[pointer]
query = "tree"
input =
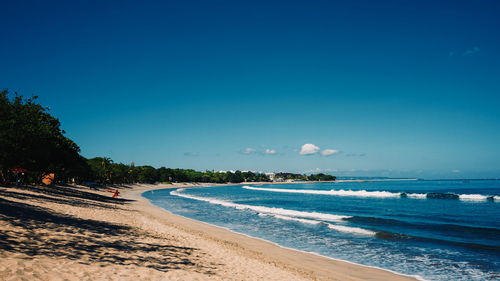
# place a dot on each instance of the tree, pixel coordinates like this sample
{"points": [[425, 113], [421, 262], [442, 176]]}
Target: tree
{"points": [[31, 138], [120, 173], [147, 174], [321, 177], [100, 169], [164, 174]]}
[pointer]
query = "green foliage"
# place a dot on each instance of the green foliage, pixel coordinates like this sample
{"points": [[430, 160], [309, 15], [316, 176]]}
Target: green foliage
{"points": [[304, 177], [147, 174], [189, 175], [31, 138], [291, 176], [101, 169], [104, 171], [321, 177]]}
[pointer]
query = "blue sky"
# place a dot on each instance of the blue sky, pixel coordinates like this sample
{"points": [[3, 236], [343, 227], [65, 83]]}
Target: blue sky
{"points": [[394, 88]]}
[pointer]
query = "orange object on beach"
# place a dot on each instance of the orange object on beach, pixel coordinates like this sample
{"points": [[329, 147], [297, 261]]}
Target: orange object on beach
{"points": [[48, 179], [115, 192]]}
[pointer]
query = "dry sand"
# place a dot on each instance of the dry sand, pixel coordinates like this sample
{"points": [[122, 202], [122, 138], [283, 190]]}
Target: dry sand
{"points": [[73, 233]]}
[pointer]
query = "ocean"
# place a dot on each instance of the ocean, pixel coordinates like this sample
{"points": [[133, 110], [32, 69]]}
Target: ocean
{"points": [[431, 229]]}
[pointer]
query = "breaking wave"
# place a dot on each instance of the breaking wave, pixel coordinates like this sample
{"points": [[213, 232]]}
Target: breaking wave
{"points": [[341, 228], [285, 214], [355, 230], [383, 194], [263, 209]]}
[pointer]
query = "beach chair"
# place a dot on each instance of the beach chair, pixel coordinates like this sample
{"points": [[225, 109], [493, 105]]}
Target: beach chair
{"points": [[115, 192]]}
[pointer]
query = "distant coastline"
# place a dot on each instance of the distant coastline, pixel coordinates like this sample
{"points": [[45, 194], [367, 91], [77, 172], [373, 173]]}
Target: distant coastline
{"points": [[370, 180]]}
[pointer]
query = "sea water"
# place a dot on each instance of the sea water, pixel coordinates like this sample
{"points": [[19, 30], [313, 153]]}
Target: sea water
{"points": [[436, 230]]}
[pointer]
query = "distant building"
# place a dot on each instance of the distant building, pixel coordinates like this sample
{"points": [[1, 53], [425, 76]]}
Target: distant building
{"points": [[270, 175]]}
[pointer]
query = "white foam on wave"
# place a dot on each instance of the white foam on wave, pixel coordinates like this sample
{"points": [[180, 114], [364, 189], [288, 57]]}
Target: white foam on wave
{"points": [[355, 230], [375, 194], [341, 228], [284, 214], [416, 195], [341, 192], [473, 197], [364, 193], [296, 219], [263, 209]]}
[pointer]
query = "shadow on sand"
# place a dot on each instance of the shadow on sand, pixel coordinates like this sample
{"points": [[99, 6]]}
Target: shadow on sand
{"points": [[37, 231]]}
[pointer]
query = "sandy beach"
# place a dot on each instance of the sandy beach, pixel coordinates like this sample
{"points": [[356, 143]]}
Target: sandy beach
{"points": [[73, 233]]}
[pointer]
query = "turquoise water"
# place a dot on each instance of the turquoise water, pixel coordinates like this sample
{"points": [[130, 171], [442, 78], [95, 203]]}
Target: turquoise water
{"points": [[436, 230]]}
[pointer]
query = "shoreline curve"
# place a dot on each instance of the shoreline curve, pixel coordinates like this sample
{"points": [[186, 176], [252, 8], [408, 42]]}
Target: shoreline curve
{"points": [[308, 264]]}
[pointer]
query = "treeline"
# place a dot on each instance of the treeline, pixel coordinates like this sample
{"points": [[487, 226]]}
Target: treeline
{"points": [[32, 145], [321, 177], [104, 171], [304, 177]]}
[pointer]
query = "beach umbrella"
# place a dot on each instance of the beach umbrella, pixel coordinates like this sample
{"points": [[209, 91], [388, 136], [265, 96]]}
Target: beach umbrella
{"points": [[48, 178]]}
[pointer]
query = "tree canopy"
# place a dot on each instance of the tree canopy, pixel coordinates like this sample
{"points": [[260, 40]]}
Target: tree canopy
{"points": [[31, 138]]}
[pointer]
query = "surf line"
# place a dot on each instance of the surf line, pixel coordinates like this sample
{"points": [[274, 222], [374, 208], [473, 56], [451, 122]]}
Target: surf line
{"points": [[382, 194], [284, 214]]}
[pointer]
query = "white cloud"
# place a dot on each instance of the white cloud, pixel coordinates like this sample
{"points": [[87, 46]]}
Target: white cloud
{"points": [[320, 170], [308, 149], [471, 51], [328, 152], [248, 150], [467, 52], [455, 171], [270, 151]]}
